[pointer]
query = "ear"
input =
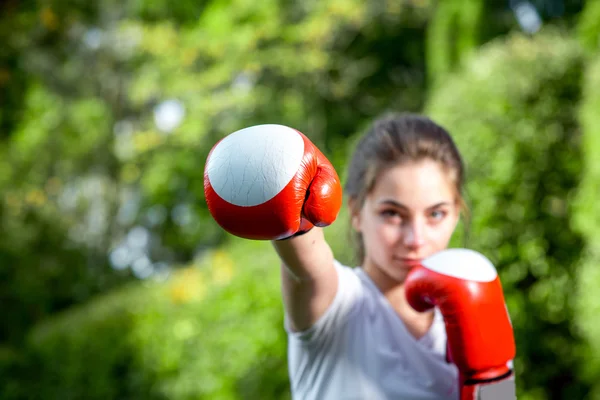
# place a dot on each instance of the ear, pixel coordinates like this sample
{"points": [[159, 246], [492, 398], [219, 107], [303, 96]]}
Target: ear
{"points": [[355, 217]]}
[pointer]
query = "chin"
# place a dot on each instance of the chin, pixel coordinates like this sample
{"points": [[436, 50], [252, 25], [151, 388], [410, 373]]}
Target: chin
{"points": [[399, 276], [398, 271], [393, 269]]}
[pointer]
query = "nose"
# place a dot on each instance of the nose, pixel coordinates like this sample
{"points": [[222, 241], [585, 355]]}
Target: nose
{"points": [[414, 235]]}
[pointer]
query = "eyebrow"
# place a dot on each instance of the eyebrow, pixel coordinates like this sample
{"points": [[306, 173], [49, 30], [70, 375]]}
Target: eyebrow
{"points": [[400, 205]]}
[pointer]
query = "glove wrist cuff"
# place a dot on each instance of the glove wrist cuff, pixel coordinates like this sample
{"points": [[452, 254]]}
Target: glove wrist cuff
{"points": [[299, 233]]}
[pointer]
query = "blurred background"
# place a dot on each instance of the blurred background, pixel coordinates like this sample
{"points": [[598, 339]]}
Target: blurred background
{"points": [[115, 283]]}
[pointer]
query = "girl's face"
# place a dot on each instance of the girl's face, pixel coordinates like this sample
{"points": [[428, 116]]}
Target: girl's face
{"points": [[409, 215]]}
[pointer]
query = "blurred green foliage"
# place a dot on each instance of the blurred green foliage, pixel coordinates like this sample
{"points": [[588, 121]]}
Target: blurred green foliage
{"points": [[87, 172], [514, 113], [586, 219], [588, 29], [183, 339], [453, 35]]}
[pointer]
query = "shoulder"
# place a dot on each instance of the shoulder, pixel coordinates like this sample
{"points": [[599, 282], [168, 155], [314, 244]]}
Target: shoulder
{"points": [[354, 284], [350, 289], [348, 275]]}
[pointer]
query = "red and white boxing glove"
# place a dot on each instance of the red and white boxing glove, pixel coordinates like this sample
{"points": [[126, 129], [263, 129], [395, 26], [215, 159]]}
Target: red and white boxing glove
{"points": [[270, 182], [465, 287]]}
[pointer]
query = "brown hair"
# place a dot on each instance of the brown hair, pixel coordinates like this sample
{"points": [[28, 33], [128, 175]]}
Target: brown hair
{"points": [[396, 139]]}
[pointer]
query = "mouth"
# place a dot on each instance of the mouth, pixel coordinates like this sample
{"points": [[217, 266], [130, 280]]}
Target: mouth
{"points": [[410, 262]]}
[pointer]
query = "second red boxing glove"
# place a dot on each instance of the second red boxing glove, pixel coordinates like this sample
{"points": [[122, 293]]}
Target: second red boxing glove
{"points": [[269, 182], [465, 287]]}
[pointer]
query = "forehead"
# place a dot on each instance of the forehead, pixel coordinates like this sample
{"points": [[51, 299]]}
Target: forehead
{"points": [[416, 185]]}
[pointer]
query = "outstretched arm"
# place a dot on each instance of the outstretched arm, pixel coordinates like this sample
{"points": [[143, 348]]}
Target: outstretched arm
{"points": [[308, 277]]}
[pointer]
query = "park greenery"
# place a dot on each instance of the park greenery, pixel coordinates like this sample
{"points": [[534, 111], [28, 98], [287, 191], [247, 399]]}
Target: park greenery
{"points": [[117, 284]]}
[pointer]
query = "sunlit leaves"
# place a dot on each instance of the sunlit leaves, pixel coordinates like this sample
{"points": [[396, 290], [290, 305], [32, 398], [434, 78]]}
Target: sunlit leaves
{"points": [[586, 219], [201, 333], [515, 122]]}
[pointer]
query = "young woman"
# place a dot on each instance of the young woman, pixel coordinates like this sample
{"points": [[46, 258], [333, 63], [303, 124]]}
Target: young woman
{"points": [[352, 333]]}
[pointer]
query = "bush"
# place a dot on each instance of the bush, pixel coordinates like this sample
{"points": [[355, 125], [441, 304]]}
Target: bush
{"points": [[513, 112], [587, 221], [212, 331]]}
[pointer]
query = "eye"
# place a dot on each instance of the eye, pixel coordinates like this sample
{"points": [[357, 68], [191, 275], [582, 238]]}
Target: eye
{"points": [[438, 214], [390, 215]]}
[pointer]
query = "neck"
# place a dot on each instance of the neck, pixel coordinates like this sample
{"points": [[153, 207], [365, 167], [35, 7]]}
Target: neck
{"points": [[417, 323], [392, 287]]}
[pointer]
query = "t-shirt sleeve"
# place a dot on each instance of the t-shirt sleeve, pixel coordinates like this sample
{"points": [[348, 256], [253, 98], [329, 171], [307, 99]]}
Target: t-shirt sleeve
{"points": [[336, 315]]}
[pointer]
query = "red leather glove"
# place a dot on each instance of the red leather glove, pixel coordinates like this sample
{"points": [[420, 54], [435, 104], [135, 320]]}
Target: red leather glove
{"points": [[270, 182], [465, 287]]}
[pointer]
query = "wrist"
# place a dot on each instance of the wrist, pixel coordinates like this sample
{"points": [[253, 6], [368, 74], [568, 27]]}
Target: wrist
{"points": [[299, 233]]}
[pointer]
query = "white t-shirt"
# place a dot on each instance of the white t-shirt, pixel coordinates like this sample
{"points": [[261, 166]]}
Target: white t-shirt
{"points": [[361, 349]]}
